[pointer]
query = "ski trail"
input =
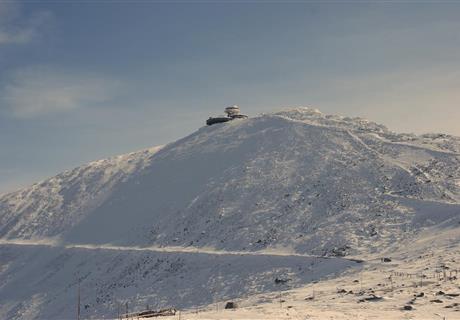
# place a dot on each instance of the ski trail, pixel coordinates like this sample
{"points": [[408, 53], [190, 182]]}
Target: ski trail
{"points": [[169, 249]]}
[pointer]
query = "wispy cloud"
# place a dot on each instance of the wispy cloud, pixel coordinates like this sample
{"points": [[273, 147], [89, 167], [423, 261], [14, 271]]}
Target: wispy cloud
{"points": [[39, 91], [17, 28]]}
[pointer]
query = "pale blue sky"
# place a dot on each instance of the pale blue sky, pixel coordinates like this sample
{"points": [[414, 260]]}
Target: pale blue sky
{"points": [[83, 80]]}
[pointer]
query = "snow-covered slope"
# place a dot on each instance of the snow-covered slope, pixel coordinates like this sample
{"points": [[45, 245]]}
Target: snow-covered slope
{"points": [[52, 206], [40, 282], [294, 181], [420, 282]]}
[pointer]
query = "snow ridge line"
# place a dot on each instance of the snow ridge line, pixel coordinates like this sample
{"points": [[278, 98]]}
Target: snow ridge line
{"points": [[312, 123]]}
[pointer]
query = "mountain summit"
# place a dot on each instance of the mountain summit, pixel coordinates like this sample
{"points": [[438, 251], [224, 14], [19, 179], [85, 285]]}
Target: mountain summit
{"points": [[295, 178], [295, 181]]}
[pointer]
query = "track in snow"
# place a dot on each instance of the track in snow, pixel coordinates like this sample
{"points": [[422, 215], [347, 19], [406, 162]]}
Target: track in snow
{"points": [[169, 249]]}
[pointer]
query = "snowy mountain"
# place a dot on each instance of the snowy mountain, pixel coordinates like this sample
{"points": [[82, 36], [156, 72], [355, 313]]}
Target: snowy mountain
{"points": [[262, 193]]}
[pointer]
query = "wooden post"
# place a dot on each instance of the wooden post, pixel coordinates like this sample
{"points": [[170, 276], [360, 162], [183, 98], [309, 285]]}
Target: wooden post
{"points": [[78, 303], [391, 282], [78, 299]]}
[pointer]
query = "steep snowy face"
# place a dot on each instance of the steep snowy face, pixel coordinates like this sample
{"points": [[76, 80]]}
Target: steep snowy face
{"points": [[48, 208], [298, 179]]}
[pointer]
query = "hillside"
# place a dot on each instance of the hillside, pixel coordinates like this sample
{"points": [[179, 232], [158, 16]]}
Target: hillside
{"points": [[420, 282], [297, 184]]}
